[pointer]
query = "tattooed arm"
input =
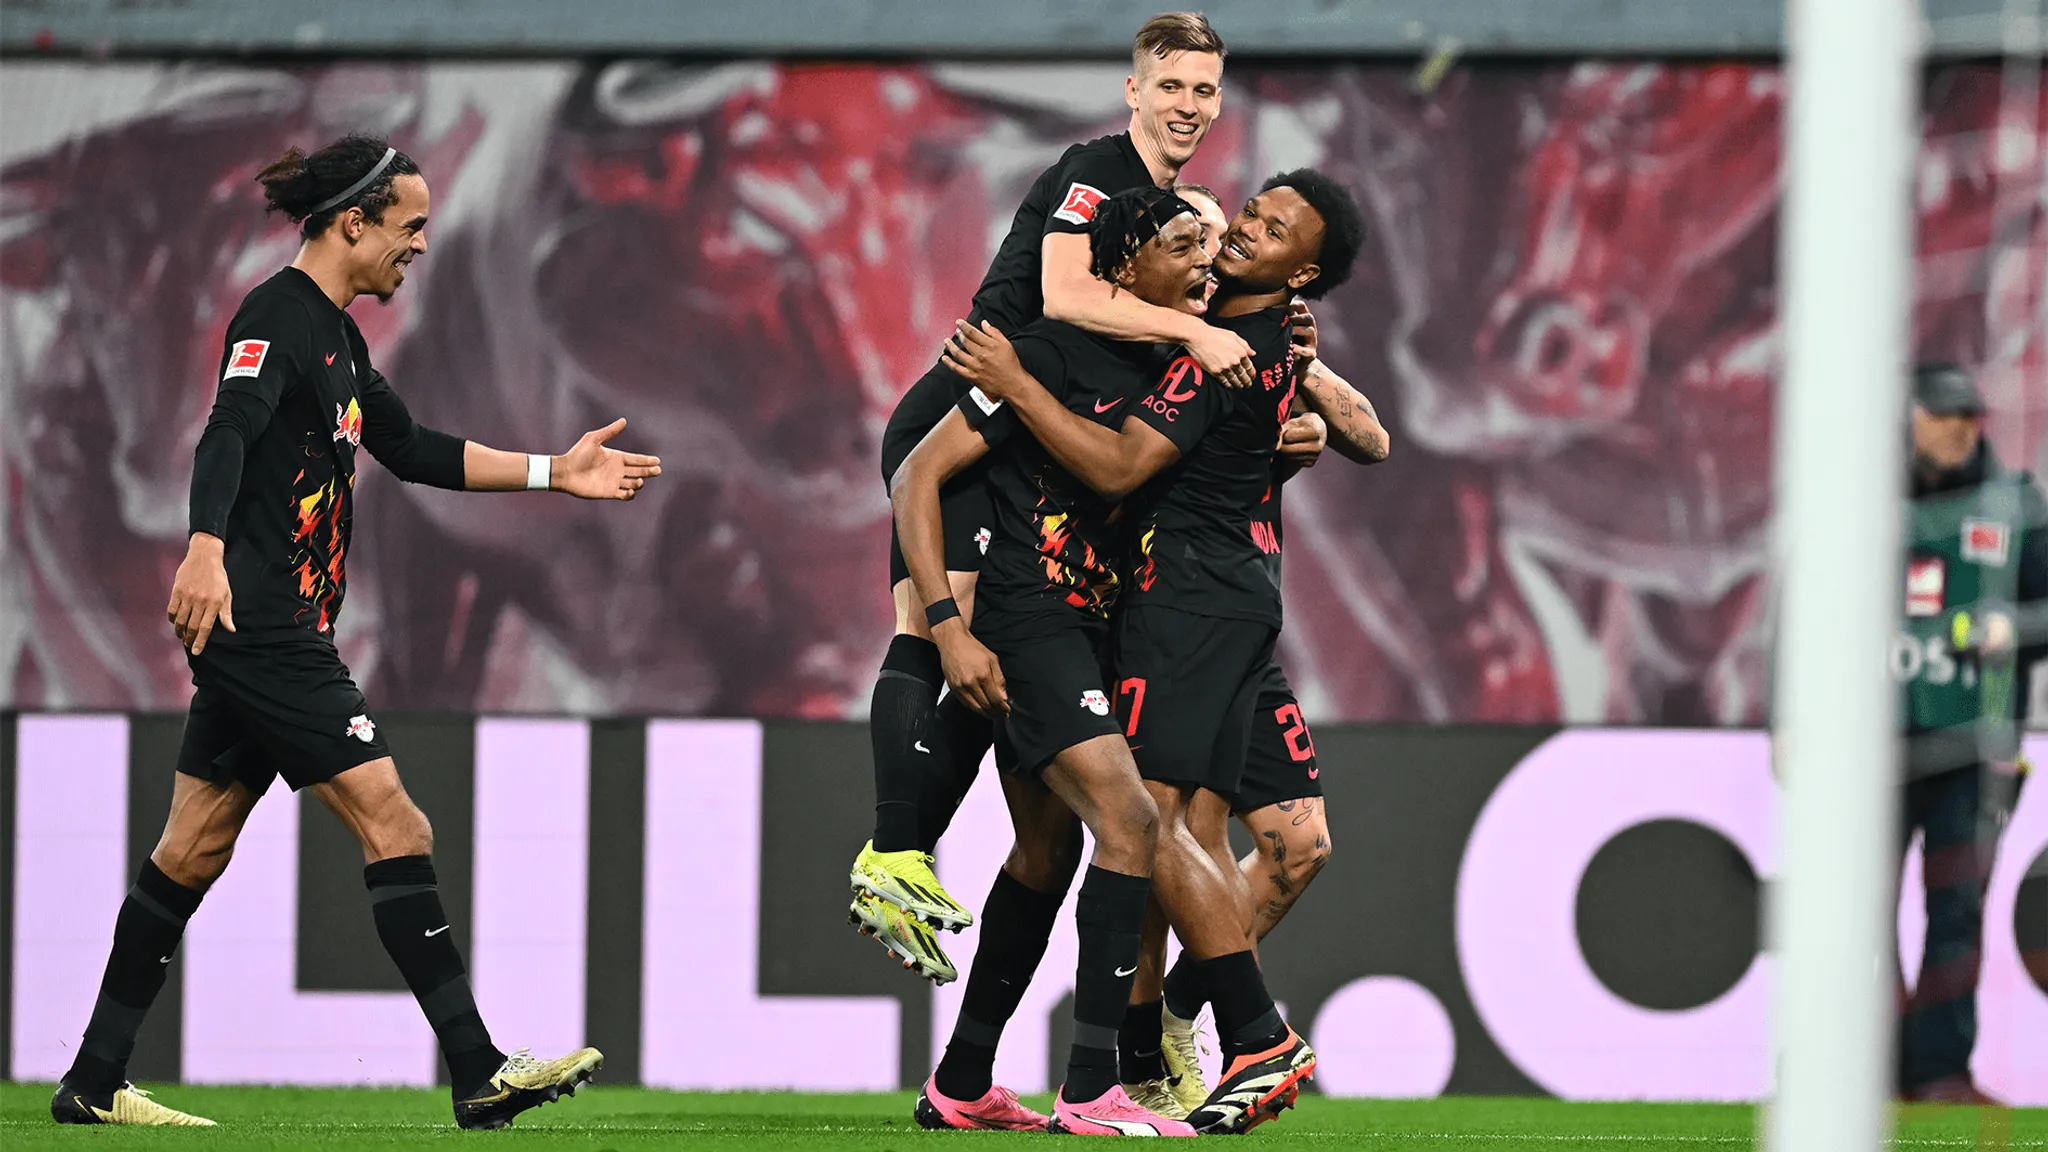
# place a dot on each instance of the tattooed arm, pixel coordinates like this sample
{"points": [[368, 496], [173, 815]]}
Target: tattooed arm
{"points": [[1355, 429]]}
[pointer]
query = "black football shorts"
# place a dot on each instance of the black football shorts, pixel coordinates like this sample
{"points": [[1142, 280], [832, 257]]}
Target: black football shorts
{"points": [[264, 709], [1280, 760], [1186, 688], [1056, 671], [966, 517]]}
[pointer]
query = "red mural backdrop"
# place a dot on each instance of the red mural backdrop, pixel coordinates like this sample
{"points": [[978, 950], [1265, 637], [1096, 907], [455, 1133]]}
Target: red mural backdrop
{"points": [[1566, 316]]}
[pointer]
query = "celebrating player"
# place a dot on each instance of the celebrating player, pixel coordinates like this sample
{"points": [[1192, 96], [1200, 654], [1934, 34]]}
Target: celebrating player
{"points": [[1280, 799], [255, 603], [1196, 631], [927, 748], [1046, 588]]}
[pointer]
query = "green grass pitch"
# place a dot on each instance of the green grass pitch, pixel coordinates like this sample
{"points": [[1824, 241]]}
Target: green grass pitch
{"points": [[621, 1119]]}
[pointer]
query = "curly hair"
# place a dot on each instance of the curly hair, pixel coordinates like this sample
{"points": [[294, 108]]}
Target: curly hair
{"points": [[1127, 222], [1343, 225]]}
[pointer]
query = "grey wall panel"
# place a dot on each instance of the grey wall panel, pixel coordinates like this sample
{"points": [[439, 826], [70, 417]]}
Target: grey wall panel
{"points": [[618, 833], [902, 27]]}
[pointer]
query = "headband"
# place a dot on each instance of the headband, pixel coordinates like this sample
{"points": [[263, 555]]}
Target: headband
{"points": [[1159, 214], [359, 185]]}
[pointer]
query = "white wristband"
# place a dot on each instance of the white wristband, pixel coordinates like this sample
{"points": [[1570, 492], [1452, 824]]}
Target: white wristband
{"points": [[540, 470]]}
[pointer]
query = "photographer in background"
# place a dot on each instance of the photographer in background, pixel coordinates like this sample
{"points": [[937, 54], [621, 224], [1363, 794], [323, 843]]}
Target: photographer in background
{"points": [[1976, 621]]}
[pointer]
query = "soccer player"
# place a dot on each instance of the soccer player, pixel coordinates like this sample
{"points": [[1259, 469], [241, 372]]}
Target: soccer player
{"points": [[1045, 591], [255, 604], [1279, 801], [1196, 630], [927, 749]]}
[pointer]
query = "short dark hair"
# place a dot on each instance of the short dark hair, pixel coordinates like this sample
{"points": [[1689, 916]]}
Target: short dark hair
{"points": [[1343, 225], [1127, 222], [1171, 32], [296, 183]]}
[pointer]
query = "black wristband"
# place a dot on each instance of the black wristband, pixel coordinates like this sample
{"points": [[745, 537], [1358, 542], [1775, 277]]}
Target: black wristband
{"points": [[942, 611]]}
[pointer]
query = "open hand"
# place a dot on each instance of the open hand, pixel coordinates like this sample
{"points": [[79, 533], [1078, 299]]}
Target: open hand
{"points": [[594, 472], [200, 594]]}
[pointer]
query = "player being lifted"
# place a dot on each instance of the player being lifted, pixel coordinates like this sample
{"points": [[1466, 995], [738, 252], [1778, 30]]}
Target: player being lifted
{"points": [[1046, 589], [1196, 630], [927, 747], [255, 603]]}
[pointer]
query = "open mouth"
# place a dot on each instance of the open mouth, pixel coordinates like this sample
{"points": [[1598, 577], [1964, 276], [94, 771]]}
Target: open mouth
{"points": [[1233, 246], [1198, 294], [1182, 131]]}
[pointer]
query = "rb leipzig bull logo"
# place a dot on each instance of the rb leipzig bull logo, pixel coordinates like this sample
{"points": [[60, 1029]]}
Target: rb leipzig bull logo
{"points": [[348, 423]]}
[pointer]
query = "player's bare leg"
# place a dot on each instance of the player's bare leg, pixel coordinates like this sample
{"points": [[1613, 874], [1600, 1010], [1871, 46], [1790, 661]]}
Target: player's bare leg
{"points": [[1264, 1061], [489, 1087], [198, 840], [896, 896], [1290, 846]]}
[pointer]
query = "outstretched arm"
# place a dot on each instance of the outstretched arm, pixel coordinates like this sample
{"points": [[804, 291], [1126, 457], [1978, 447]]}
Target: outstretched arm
{"points": [[1112, 462], [914, 501], [589, 470], [421, 455]]}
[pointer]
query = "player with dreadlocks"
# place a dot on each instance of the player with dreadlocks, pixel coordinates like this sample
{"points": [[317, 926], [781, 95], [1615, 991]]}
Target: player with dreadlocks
{"points": [[1037, 660], [1196, 631], [927, 746]]}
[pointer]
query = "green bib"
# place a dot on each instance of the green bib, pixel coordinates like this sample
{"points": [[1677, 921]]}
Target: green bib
{"points": [[1963, 557]]}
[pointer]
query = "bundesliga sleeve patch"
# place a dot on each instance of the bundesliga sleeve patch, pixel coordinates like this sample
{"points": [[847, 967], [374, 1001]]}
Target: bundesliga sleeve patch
{"points": [[988, 407], [246, 359], [1079, 206]]}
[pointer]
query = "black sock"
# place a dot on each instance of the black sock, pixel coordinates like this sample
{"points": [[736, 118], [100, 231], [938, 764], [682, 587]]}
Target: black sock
{"points": [[1184, 992], [146, 934], [406, 903], [1110, 916], [1246, 1020], [1138, 1058], [963, 738], [899, 725], [1016, 924]]}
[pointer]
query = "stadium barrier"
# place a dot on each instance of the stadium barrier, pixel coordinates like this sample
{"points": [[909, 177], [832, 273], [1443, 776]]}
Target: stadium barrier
{"points": [[1507, 910]]}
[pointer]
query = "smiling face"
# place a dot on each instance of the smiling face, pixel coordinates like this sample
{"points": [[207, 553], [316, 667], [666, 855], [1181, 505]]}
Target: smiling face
{"points": [[1173, 101], [1171, 270], [1273, 243], [380, 250]]}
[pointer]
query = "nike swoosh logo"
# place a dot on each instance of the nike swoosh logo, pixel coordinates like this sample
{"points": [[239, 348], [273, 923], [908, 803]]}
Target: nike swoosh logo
{"points": [[1314, 772], [105, 1116], [438, 931], [331, 356], [163, 959], [919, 745], [1100, 407], [943, 689], [1127, 971]]}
